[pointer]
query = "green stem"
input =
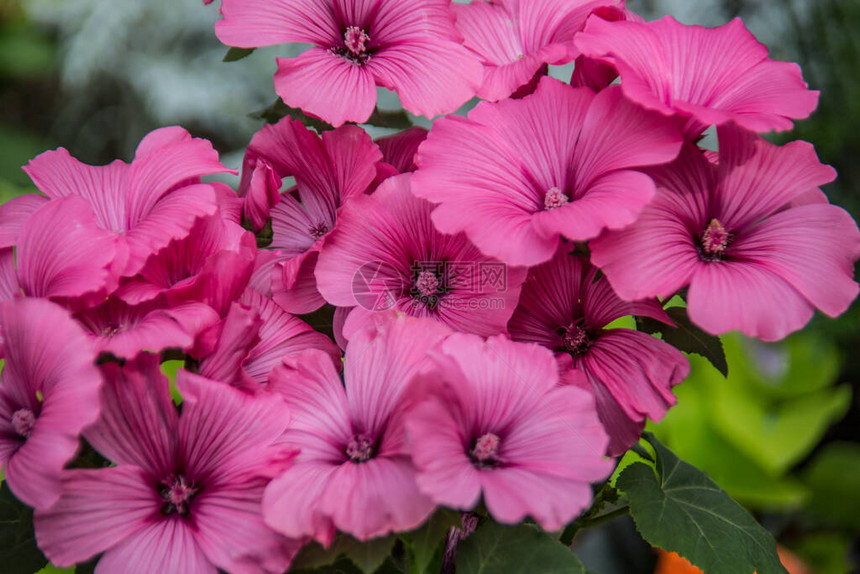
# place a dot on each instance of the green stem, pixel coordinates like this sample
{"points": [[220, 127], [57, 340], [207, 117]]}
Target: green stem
{"points": [[571, 530]]}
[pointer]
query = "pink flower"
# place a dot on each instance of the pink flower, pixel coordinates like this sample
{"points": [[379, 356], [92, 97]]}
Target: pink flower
{"points": [[409, 46], [490, 419], [751, 235], [399, 150], [125, 330], [211, 265], [353, 473], [387, 254], [328, 170], [48, 394], [515, 39], [255, 337], [565, 307], [184, 494], [142, 206], [518, 174], [711, 76]]}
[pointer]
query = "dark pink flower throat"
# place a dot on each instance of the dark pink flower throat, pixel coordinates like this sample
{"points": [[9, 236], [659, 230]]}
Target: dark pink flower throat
{"points": [[360, 448], [177, 493], [575, 340]]}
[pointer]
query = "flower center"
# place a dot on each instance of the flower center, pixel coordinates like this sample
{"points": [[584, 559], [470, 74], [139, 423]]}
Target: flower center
{"points": [[354, 47], [360, 448], [23, 421], [427, 284], [177, 493], [318, 230], [554, 199], [714, 241], [575, 340], [485, 453]]}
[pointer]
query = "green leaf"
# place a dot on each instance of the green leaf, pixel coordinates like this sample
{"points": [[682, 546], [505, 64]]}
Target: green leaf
{"points": [[18, 551], [367, 556], [397, 120], [235, 54], [428, 542], [687, 337], [521, 549], [684, 511]]}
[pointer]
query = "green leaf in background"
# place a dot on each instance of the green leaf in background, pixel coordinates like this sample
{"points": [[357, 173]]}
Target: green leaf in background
{"points": [[684, 511], [236, 54], [427, 544], [366, 556], [522, 549], [687, 337], [832, 479], [826, 552], [18, 551], [51, 569], [279, 110], [169, 369]]}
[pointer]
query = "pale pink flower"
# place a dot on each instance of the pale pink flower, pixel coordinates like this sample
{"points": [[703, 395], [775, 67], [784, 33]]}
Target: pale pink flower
{"points": [[752, 236], [353, 473], [489, 419], [49, 392], [184, 493], [409, 46], [517, 175], [708, 75]]}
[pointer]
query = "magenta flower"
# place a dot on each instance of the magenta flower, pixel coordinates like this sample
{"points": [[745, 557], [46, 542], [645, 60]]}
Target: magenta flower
{"points": [[48, 393], [516, 39], [212, 265], [751, 235], [709, 75], [565, 307], [255, 337], [125, 330], [13, 214], [328, 170], [490, 419], [387, 254], [184, 494], [353, 473], [517, 175], [145, 205], [409, 46], [399, 150]]}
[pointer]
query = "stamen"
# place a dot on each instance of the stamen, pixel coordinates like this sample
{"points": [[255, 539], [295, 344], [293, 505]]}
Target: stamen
{"points": [[360, 448], [354, 49], [177, 494], [23, 421], [485, 453], [554, 199], [575, 340], [714, 241], [427, 283]]}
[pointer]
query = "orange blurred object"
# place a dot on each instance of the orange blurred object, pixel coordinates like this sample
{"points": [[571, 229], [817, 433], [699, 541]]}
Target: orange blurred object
{"points": [[671, 563]]}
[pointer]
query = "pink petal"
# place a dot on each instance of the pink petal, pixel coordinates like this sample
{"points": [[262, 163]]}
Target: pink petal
{"points": [[291, 503], [72, 260], [742, 295], [99, 508], [14, 214], [374, 498], [294, 284], [9, 288], [399, 149], [262, 195], [757, 177], [638, 370], [255, 23], [138, 424], [813, 248], [167, 545], [316, 80]]}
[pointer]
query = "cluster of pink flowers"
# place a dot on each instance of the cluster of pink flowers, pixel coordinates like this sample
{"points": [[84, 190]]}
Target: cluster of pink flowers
{"points": [[475, 272]]}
